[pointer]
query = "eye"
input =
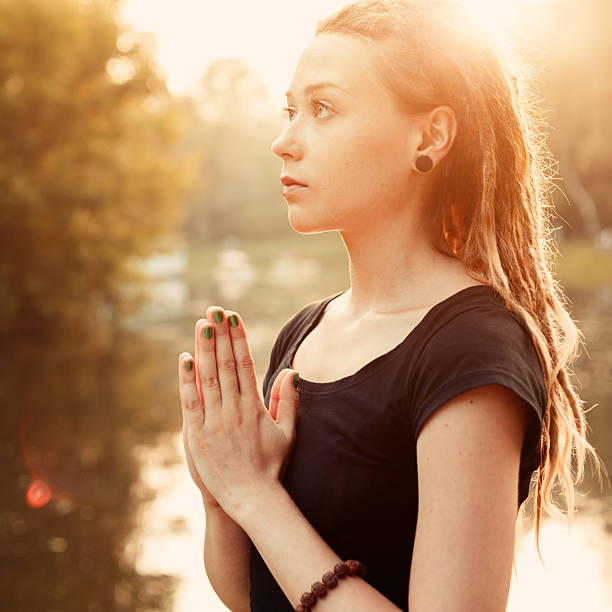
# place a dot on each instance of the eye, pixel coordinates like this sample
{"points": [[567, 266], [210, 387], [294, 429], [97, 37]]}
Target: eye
{"points": [[286, 112], [289, 112], [316, 104]]}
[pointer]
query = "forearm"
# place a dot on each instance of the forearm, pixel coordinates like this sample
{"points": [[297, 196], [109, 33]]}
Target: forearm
{"points": [[297, 556], [227, 559]]}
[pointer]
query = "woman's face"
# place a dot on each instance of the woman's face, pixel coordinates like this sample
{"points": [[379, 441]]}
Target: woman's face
{"points": [[348, 143]]}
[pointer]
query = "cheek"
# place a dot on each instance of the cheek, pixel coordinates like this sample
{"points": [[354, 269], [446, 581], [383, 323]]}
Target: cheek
{"points": [[371, 157], [359, 160]]}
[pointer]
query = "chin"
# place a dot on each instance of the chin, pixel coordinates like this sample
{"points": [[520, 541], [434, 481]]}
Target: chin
{"points": [[305, 223]]}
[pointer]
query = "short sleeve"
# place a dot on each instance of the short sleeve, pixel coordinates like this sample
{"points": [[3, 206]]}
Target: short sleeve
{"points": [[480, 347]]}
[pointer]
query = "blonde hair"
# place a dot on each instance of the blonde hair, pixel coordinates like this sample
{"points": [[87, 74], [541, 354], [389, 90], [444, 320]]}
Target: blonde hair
{"points": [[489, 206]]}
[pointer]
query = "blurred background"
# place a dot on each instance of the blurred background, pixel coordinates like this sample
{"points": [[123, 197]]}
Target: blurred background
{"points": [[137, 188]]}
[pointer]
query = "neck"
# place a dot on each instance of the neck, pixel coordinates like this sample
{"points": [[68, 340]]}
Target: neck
{"points": [[393, 269]]}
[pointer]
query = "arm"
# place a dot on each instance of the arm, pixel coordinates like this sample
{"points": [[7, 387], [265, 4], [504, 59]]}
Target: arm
{"points": [[297, 555], [468, 458], [227, 554]]}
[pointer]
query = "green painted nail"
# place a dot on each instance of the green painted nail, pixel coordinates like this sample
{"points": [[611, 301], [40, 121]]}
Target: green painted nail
{"points": [[208, 331], [218, 316], [233, 319], [296, 378], [188, 365]]}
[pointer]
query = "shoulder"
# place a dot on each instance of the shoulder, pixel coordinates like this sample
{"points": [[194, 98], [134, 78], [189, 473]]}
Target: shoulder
{"points": [[484, 345], [478, 329]]}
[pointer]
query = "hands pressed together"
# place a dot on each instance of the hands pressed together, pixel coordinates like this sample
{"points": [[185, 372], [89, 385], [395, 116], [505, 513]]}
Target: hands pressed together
{"points": [[235, 448]]}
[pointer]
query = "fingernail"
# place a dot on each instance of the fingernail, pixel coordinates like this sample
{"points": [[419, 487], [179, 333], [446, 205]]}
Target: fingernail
{"points": [[296, 378], [218, 316], [188, 365], [207, 331], [233, 319]]}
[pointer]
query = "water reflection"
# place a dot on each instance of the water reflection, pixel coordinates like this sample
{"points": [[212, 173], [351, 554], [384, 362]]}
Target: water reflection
{"points": [[170, 534], [73, 410], [233, 271], [576, 575], [290, 269]]}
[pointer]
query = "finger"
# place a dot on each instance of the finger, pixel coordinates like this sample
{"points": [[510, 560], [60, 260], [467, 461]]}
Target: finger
{"points": [[226, 366], [207, 367], [275, 393], [288, 403], [193, 414], [198, 335], [245, 367]]}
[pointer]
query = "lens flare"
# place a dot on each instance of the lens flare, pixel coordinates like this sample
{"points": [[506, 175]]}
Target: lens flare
{"points": [[38, 494]]}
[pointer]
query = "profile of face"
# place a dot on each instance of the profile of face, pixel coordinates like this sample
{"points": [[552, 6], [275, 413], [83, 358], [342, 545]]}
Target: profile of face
{"points": [[347, 141]]}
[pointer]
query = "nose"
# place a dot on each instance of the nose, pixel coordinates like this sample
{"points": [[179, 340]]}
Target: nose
{"points": [[285, 146]]}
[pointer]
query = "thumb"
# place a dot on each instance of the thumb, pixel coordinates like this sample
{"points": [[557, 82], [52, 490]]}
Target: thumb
{"points": [[275, 394], [288, 403]]}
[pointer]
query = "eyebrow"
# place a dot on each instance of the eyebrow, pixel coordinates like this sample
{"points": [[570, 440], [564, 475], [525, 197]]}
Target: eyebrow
{"points": [[314, 86]]}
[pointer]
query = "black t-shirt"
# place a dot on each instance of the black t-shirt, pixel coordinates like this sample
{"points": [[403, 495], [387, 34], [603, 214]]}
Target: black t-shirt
{"points": [[353, 470]]}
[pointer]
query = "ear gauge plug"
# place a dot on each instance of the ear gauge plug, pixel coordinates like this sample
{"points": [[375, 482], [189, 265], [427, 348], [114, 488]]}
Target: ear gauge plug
{"points": [[423, 163]]}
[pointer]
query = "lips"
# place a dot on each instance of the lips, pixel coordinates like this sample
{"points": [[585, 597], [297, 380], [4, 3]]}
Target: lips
{"points": [[289, 180], [289, 189]]}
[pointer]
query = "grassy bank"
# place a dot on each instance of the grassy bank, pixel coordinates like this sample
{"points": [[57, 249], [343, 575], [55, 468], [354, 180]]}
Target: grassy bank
{"points": [[582, 266]]}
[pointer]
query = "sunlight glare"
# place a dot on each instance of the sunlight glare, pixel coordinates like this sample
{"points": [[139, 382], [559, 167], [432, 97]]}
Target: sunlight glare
{"points": [[269, 37], [500, 20]]}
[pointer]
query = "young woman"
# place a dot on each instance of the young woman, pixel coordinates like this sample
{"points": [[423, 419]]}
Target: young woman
{"points": [[431, 389]]}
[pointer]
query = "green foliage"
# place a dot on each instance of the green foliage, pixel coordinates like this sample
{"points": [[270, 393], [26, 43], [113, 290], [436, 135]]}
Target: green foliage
{"points": [[88, 171], [233, 126], [569, 41]]}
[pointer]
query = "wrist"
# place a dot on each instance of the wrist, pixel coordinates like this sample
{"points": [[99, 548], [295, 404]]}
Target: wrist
{"points": [[257, 503]]}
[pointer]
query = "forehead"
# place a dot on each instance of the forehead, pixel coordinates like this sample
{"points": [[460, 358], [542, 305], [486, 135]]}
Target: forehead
{"points": [[338, 58]]}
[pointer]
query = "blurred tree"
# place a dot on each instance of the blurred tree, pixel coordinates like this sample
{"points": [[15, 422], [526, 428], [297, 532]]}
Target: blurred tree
{"points": [[234, 125], [90, 176], [88, 170], [573, 44]]}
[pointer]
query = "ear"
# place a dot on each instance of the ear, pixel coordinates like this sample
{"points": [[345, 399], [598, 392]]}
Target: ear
{"points": [[438, 130]]}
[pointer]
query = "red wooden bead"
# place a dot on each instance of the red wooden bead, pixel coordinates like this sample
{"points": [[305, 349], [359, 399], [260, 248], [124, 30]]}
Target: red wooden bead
{"points": [[308, 600], [330, 580], [319, 589], [341, 570], [356, 568], [351, 567]]}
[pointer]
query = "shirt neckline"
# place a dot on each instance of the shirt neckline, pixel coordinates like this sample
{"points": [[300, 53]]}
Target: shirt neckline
{"points": [[369, 368]]}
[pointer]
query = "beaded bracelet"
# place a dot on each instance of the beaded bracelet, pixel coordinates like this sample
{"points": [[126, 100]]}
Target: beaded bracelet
{"points": [[329, 581]]}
